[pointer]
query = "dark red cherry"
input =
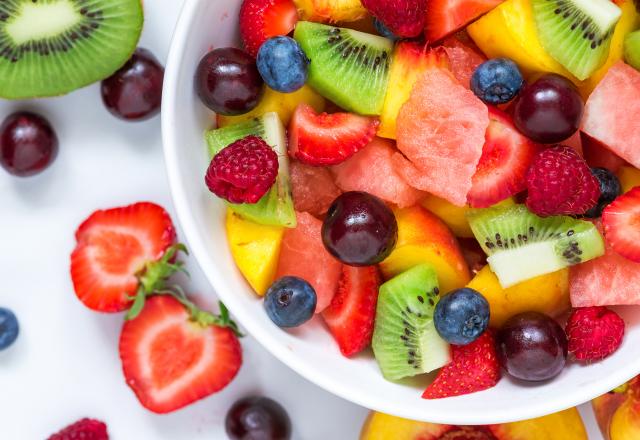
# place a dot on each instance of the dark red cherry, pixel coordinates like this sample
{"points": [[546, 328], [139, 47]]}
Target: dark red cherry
{"points": [[257, 418], [134, 92], [28, 144]]}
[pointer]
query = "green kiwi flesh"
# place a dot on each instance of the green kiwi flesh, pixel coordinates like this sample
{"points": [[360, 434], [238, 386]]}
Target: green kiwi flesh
{"points": [[52, 47], [632, 49], [521, 245], [577, 33], [276, 207], [405, 340], [348, 67]]}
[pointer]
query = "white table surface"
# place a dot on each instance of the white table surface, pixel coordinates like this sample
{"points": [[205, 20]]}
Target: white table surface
{"points": [[65, 364]]}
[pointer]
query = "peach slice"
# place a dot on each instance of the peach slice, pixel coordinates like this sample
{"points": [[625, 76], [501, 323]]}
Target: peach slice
{"points": [[618, 412]]}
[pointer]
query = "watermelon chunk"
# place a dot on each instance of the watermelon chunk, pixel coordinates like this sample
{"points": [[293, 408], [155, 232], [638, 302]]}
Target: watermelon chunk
{"points": [[371, 170], [611, 113], [464, 58], [303, 255], [606, 281], [441, 132], [313, 188]]}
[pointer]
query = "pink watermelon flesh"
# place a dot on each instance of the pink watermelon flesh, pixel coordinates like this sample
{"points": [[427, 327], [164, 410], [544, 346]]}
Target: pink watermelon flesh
{"points": [[312, 187], [606, 281], [597, 155], [463, 59], [303, 255], [575, 142], [440, 132], [371, 170], [611, 113]]}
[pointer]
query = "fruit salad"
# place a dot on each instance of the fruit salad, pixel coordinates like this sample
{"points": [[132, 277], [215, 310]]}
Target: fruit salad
{"points": [[454, 185]]}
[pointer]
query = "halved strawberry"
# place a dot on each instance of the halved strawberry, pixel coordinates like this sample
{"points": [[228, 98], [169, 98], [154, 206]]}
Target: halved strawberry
{"points": [[352, 312], [263, 19], [115, 252], [621, 221], [172, 357], [473, 368], [404, 18], [447, 16], [328, 139], [506, 157]]}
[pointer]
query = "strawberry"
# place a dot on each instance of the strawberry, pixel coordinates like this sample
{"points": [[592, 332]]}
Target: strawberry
{"points": [[83, 429], [404, 18], [351, 315], [121, 253], [447, 16], [263, 19], [621, 221], [328, 139], [594, 333], [174, 354], [473, 368], [506, 157]]}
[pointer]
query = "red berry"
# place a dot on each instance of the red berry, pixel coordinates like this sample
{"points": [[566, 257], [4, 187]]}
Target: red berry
{"points": [[84, 429], [594, 333], [559, 182], [404, 18], [263, 19], [244, 171], [621, 221]]}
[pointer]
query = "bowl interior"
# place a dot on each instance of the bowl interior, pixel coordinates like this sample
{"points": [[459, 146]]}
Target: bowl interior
{"points": [[310, 351]]}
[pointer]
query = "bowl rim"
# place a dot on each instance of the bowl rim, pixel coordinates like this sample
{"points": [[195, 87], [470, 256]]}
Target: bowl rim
{"points": [[217, 280]]}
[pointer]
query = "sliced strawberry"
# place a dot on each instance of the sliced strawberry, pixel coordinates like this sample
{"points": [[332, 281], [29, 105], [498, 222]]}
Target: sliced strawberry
{"points": [[404, 18], [351, 315], [263, 19], [113, 249], [621, 221], [328, 139], [473, 368], [447, 16], [171, 358], [506, 157]]}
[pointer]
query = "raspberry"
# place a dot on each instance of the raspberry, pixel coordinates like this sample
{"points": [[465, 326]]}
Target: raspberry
{"points": [[594, 333], [559, 181], [84, 429], [244, 171]]}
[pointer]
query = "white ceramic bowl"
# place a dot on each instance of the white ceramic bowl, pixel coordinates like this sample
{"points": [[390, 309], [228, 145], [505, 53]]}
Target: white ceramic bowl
{"points": [[205, 24]]}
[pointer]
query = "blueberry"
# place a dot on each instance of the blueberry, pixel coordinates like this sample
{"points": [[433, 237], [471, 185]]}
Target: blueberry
{"points": [[610, 189], [282, 64], [290, 302], [384, 30], [461, 316], [9, 328], [497, 81]]}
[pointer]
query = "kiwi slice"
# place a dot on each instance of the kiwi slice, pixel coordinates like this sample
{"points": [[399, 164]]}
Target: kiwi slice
{"points": [[348, 67], [632, 49], [405, 340], [577, 33], [275, 208], [51, 47], [521, 245]]}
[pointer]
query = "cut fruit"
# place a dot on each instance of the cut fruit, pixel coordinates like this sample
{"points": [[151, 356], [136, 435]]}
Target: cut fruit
{"points": [[506, 157], [303, 255], [276, 207], [405, 341], [331, 11], [548, 294], [455, 217], [632, 50], [629, 178], [52, 48], [424, 238], [521, 245], [371, 170], [313, 188], [441, 144], [621, 221], [348, 67], [577, 33], [464, 57], [328, 139], [282, 103], [410, 60], [446, 16], [611, 113], [599, 156], [255, 249]]}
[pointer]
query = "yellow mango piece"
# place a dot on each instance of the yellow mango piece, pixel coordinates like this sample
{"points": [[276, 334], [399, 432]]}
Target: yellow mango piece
{"points": [[547, 294], [282, 103], [255, 249], [330, 11], [628, 22], [625, 423], [562, 425], [629, 177], [510, 31]]}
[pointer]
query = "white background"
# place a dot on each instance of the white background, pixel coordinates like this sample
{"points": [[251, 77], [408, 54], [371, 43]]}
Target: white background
{"points": [[65, 364]]}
